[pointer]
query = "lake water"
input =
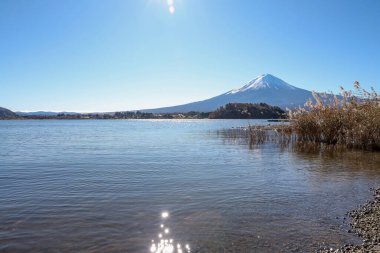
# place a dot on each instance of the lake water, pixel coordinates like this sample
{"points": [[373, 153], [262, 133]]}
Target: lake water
{"points": [[101, 185]]}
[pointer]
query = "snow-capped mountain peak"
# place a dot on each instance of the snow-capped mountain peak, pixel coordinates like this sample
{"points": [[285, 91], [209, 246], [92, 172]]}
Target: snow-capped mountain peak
{"points": [[263, 89], [264, 81]]}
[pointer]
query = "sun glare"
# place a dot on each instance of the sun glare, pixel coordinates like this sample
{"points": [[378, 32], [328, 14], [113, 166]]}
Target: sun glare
{"points": [[171, 9], [165, 242], [171, 6], [164, 214]]}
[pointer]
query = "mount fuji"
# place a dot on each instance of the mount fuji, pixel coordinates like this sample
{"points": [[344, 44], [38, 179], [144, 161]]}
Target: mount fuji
{"points": [[263, 89]]}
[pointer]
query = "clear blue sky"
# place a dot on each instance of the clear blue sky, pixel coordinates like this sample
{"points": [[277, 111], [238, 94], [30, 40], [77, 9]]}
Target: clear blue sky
{"points": [[97, 55]]}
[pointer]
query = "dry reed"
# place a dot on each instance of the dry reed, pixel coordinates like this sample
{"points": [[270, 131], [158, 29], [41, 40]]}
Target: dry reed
{"points": [[351, 120]]}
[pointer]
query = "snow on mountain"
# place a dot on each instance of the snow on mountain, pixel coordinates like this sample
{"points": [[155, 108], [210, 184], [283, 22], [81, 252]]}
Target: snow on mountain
{"points": [[263, 89], [266, 81]]}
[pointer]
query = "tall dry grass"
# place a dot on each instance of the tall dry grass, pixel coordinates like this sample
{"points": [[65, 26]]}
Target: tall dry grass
{"points": [[351, 120]]}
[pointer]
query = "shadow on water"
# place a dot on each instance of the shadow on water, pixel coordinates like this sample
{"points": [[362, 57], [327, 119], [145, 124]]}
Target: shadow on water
{"points": [[341, 157]]}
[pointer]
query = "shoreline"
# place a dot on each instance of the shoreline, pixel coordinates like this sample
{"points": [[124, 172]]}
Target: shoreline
{"points": [[365, 223], [78, 119]]}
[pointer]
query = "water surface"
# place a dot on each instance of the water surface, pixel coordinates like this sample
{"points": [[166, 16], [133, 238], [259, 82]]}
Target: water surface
{"points": [[101, 185]]}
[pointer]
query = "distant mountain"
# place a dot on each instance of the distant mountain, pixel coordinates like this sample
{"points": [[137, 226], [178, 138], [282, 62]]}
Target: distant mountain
{"points": [[5, 113], [263, 89], [44, 113]]}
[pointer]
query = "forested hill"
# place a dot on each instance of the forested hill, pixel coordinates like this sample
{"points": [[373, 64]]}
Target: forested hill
{"points": [[5, 113], [248, 111]]}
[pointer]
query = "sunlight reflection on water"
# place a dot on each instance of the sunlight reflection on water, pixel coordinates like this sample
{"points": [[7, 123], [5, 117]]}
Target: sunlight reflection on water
{"points": [[165, 243]]}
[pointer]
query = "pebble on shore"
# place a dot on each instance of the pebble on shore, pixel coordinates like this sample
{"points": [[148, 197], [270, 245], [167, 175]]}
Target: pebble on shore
{"points": [[365, 222]]}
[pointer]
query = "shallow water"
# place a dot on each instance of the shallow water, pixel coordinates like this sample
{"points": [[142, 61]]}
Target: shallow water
{"points": [[101, 185]]}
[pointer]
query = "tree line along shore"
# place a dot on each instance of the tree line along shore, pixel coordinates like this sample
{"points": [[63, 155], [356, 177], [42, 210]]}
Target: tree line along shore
{"points": [[229, 111]]}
